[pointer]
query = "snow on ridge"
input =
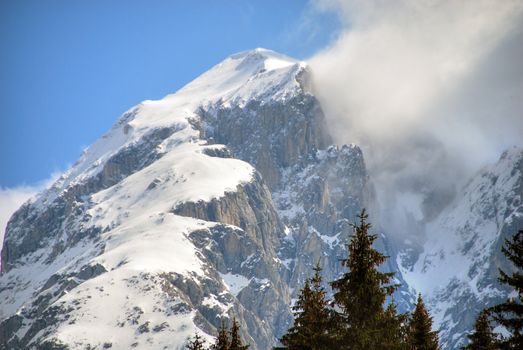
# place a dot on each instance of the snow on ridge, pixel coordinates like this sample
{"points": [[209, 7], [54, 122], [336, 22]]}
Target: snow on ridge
{"points": [[256, 75], [130, 207], [122, 296]]}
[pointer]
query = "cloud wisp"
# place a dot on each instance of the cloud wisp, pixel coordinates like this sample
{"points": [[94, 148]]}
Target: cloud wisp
{"points": [[430, 89]]}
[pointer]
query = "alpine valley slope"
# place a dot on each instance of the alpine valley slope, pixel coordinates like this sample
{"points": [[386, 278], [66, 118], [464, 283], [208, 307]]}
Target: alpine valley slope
{"points": [[217, 201]]}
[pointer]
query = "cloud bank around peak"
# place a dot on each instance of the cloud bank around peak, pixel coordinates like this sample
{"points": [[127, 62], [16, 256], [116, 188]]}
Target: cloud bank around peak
{"points": [[431, 89]]}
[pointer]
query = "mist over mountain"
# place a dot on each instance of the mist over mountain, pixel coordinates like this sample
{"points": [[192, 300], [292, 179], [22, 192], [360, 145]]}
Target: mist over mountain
{"points": [[431, 90]]}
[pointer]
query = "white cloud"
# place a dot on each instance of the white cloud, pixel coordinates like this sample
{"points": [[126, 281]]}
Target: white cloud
{"points": [[12, 198], [431, 89]]}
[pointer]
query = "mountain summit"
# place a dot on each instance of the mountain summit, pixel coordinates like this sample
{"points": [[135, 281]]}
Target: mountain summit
{"points": [[156, 231]]}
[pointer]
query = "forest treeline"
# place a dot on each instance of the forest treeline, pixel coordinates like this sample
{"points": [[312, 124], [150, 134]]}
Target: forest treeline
{"points": [[362, 314]]}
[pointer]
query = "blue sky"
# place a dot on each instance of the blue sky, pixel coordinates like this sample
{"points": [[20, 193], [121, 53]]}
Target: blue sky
{"points": [[70, 68]]}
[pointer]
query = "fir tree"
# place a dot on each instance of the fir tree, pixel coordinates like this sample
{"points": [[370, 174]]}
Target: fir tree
{"points": [[361, 292], [394, 329], [510, 313], [312, 318], [222, 339], [236, 341], [420, 333], [197, 343], [482, 338]]}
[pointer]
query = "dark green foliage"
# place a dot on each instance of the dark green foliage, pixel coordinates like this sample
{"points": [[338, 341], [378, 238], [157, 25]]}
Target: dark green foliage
{"points": [[482, 338], [229, 340], [197, 343], [222, 339], [394, 329], [420, 333], [312, 318], [510, 313], [236, 342], [360, 295]]}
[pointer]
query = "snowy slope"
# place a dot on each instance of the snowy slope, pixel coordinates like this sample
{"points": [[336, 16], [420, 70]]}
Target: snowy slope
{"points": [[457, 269], [101, 259], [259, 74]]}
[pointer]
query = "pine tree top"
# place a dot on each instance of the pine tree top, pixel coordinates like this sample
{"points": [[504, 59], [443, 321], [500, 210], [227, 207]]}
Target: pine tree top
{"points": [[236, 342], [197, 343], [482, 338], [312, 317], [421, 335], [222, 340], [361, 292], [363, 286], [510, 313]]}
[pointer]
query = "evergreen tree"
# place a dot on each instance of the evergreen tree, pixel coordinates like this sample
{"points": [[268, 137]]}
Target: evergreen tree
{"points": [[420, 333], [222, 339], [311, 318], [197, 343], [482, 338], [236, 341], [510, 313], [394, 329], [361, 292]]}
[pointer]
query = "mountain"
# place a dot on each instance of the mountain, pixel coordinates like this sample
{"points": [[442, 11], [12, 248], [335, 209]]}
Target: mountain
{"points": [[217, 201], [157, 231], [457, 269]]}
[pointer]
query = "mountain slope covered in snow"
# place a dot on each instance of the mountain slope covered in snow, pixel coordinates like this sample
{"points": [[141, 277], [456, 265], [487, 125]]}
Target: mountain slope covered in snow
{"points": [[145, 238], [457, 270]]}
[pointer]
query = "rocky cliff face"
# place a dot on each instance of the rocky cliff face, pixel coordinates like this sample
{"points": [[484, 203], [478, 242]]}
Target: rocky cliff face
{"points": [[318, 188], [270, 136]]}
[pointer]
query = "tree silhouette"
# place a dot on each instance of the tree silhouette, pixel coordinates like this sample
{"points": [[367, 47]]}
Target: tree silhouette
{"points": [[420, 333], [312, 328], [361, 292], [197, 343], [510, 313], [482, 338], [236, 342]]}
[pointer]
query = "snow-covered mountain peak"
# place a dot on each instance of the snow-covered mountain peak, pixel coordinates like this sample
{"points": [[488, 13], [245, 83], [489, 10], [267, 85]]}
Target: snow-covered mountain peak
{"points": [[465, 231], [151, 221], [258, 75], [261, 58], [216, 201]]}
